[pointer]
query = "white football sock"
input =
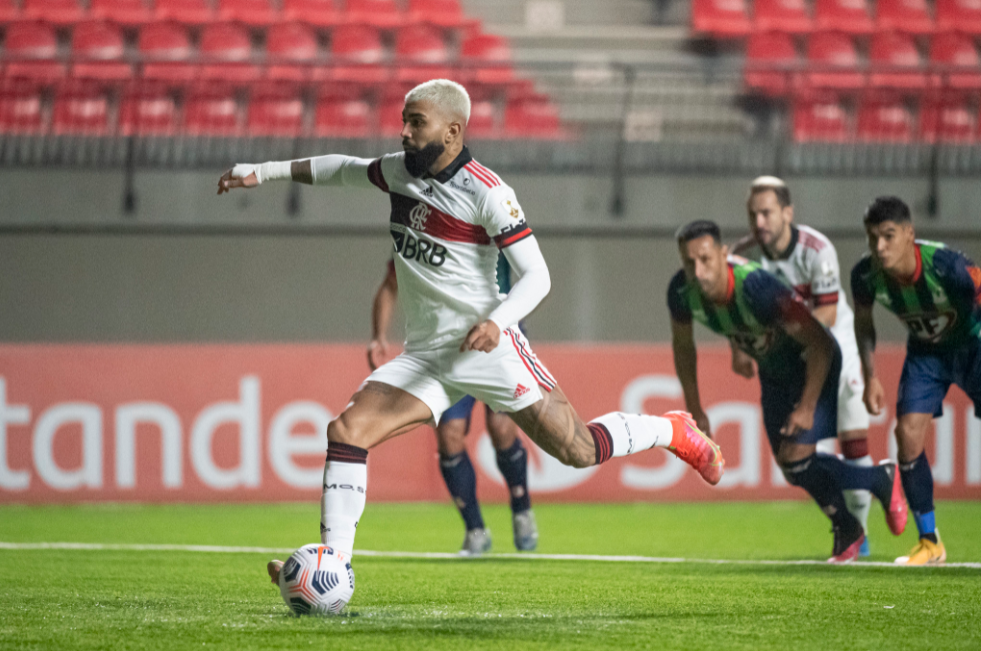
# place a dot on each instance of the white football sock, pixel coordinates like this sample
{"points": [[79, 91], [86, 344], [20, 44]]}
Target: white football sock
{"points": [[859, 501], [342, 503], [636, 432]]}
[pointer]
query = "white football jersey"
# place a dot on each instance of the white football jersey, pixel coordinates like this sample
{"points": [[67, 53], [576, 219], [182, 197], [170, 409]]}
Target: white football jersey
{"points": [[810, 266], [447, 230]]}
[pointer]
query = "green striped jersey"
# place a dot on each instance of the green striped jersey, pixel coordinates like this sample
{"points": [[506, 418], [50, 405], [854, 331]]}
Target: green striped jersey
{"points": [[940, 305], [753, 317]]}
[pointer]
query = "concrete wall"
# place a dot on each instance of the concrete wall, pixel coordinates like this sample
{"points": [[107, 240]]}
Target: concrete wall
{"points": [[261, 287]]}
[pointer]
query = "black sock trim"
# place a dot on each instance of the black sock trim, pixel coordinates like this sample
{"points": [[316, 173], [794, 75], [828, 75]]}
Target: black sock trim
{"points": [[346, 453]]}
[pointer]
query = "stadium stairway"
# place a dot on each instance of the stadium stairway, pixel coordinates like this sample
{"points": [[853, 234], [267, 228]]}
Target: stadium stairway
{"points": [[623, 65]]}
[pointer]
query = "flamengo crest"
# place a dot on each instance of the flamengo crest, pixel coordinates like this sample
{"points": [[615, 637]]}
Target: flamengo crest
{"points": [[418, 215]]}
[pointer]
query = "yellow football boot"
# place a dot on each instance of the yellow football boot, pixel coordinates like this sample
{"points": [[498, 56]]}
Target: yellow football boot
{"points": [[926, 552]]}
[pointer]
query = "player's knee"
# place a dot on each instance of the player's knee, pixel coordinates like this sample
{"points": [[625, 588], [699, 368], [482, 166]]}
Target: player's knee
{"points": [[451, 438], [342, 430]]}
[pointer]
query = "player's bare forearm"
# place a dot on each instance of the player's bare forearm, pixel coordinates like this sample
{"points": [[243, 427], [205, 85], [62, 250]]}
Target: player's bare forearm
{"points": [[554, 425], [384, 306], [820, 351], [686, 364], [865, 337]]}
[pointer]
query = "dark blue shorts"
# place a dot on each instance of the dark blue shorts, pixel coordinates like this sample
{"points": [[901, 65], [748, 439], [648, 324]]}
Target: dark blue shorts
{"points": [[780, 398], [927, 377], [461, 410]]}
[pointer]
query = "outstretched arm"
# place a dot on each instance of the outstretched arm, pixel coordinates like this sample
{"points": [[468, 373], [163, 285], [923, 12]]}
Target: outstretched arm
{"points": [[381, 318], [534, 283], [333, 169], [686, 367]]}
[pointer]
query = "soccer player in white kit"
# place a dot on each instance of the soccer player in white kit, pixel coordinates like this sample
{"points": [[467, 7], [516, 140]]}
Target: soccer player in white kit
{"points": [[807, 261], [449, 217]]}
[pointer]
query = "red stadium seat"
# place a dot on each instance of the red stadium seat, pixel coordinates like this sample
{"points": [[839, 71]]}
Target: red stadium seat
{"points": [[98, 50], [292, 51], [383, 14], [275, 115], [258, 13], [81, 113], [357, 55], [959, 16], [820, 121], [122, 12], [907, 16], [166, 50], [320, 13], [148, 114], [187, 12], [956, 55], [848, 16], [884, 121], [390, 115], [442, 13], [227, 50], [837, 61], [21, 113], [208, 114], [55, 12], [534, 118], [488, 58], [766, 54], [720, 18], [9, 11], [32, 51], [342, 118], [789, 16], [894, 50], [421, 54], [947, 122], [482, 123]]}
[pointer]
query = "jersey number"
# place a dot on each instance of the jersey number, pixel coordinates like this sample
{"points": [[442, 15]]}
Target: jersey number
{"points": [[419, 249], [929, 327], [755, 345]]}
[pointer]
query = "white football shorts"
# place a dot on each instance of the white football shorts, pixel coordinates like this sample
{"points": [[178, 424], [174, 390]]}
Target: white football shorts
{"points": [[852, 414], [508, 379]]}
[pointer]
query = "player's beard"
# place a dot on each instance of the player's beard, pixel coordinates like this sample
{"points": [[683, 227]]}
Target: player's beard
{"points": [[418, 161]]}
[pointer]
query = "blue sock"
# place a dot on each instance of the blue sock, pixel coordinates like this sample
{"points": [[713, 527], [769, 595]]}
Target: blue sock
{"points": [[918, 486], [852, 477], [513, 464], [461, 480]]}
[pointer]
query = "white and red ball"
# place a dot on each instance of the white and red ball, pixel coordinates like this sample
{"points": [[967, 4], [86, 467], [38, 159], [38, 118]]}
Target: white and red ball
{"points": [[316, 580]]}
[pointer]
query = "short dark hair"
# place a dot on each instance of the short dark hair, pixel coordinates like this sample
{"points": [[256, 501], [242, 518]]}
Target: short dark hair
{"points": [[764, 183], [696, 229], [887, 209]]}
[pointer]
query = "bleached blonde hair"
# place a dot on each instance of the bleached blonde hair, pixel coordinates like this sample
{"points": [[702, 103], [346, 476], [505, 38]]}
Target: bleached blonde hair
{"points": [[444, 94]]}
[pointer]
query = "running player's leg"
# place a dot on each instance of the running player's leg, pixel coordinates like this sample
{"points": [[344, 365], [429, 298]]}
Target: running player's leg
{"points": [[853, 431], [923, 385], [512, 461], [459, 474]]}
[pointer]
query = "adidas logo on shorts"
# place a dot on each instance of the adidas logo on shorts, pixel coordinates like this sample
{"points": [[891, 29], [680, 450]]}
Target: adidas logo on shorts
{"points": [[520, 391]]}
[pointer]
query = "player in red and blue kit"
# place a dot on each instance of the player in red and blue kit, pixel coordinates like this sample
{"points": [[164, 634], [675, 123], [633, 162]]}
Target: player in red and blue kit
{"points": [[936, 292]]}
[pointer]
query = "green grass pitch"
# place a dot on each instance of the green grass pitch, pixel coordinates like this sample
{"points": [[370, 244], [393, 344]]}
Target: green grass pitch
{"points": [[103, 599]]}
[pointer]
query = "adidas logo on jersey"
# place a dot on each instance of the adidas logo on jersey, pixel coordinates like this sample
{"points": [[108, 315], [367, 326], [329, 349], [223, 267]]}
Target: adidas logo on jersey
{"points": [[520, 391], [428, 192]]}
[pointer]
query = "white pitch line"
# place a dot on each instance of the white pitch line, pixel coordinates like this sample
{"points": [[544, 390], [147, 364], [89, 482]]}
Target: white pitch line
{"points": [[437, 555]]}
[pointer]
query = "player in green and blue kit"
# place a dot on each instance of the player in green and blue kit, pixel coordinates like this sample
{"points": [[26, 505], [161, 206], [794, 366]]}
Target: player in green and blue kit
{"points": [[454, 425], [936, 292], [799, 365]]}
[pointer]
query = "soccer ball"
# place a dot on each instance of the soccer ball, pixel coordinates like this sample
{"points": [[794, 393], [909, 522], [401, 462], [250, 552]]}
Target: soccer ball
{"points": [[316, 580]]}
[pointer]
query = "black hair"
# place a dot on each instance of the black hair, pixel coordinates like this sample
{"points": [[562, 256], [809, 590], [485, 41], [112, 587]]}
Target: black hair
{"points": [[698, 228], [887, 209]]}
